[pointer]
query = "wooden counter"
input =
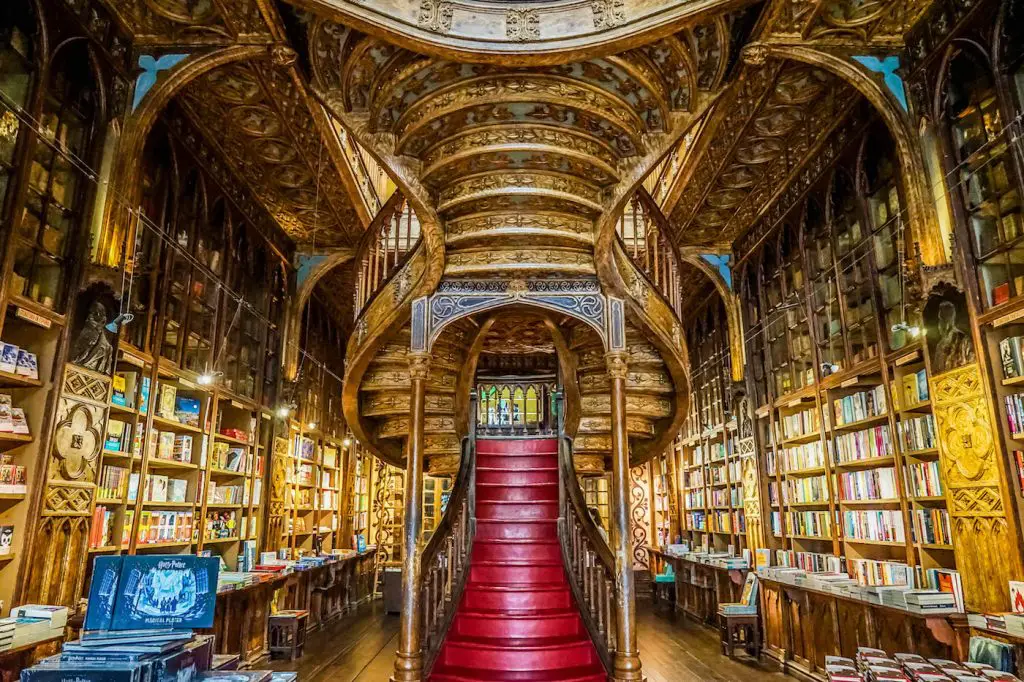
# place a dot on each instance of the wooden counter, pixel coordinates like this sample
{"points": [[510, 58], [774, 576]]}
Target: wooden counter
{"points": [[328, 592], [802, 625]]}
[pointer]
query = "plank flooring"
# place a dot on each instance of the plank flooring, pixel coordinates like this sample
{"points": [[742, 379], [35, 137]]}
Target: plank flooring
{"points": [[361, 648]]}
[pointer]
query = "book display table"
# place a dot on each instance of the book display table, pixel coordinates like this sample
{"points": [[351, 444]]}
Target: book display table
{"points": [[327, 592]]}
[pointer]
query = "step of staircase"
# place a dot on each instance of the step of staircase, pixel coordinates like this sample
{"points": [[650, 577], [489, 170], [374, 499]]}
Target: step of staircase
{"points": [[590, 673], [516, 462], [517, 620], [532, 492], [549, 653], [517, 550], [516, 512]]}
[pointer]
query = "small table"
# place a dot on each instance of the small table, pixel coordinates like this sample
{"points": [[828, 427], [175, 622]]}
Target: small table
{"points": [[287, 634], [740, 630]]}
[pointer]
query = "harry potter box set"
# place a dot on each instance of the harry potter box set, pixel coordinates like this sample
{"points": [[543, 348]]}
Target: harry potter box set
{"points": [[140, 625]]}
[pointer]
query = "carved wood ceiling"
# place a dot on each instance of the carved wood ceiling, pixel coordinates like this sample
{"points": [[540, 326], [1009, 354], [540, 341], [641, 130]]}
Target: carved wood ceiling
{"points": [[518, 334], [766, 129], [519, 161], [257, 114]]}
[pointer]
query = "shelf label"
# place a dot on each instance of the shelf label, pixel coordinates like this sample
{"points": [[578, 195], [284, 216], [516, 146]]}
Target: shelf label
{"points": [[235, 403], [794, 403], [32, 317], [850, 382], [1008, 318], [186, 383], [132, 359], [909, 357]]}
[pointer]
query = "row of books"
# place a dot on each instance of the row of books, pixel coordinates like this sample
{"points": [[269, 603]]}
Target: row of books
{"points": [[917, 433], [175, 447], [805, 456], [225, 494], [230, 458], [876, 525], [17, 360], [725, 497], [695, 499], [809, 523], [804, 490], [809, 561], [867, 444], [124, 390], [875, 665], [875, 572], [101, 532], [859, 406], [800, 423], [13, 477], [12, 419], [123, 437], [870, 484], [924, 479], [1010, 357], [180, 408], [931, 526], [914, 388], [727, 522], [112, 483], [161, 488], [1015, 412], [164, 526]]}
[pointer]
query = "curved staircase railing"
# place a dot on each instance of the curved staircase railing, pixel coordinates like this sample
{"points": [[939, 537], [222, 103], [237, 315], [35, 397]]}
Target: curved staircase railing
{"points": [[445, 560], [387, 243], [642, 230], [588, 558]]}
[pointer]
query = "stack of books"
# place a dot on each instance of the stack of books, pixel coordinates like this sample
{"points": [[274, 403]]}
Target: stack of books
{"points": [[875, 665], [32, 623]]}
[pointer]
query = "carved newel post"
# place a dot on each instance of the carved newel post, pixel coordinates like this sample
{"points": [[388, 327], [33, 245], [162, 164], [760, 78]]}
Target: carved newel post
{"points": [[626, 664], [409, 657]]}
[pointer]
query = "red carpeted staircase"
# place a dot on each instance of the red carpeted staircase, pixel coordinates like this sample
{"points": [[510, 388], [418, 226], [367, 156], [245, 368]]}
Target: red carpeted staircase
{"points": [[517, 619]]}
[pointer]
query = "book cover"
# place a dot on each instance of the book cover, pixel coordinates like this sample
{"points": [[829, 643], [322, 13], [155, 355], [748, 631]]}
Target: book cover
{"points": [[144, 395], [6, 422], [186, 410], [20, 422], [166, 591], [168, 396], [60, 671], [118, 396], [8, 357], [27, 364], [106, 572]]}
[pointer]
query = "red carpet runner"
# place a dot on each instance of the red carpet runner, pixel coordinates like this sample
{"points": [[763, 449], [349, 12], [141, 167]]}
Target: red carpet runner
{"points": [[517, 620]]}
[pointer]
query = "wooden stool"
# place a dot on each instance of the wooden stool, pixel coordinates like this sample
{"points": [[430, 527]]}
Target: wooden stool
{"points": [[740, 630], [665, 590], [287, 634]]}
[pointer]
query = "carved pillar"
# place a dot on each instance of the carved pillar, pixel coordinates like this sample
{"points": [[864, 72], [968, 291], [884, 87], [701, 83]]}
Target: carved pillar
{"points": [[626, 664], [977, 492], [409, 659]]}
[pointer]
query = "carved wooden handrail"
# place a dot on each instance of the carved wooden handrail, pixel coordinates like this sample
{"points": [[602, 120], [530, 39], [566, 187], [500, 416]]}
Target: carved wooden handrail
{"points": [[445, 560], [386, 245], [642, 230], [588, 559]]}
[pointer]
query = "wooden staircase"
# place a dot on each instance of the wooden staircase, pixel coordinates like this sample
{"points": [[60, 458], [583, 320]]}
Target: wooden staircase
{"points": [[517, 619]]}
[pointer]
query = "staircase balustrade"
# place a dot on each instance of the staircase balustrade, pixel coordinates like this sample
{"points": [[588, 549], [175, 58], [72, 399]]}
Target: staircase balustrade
{"points": [[445, 560], [390, 238], [641, 230], [588, 559]]}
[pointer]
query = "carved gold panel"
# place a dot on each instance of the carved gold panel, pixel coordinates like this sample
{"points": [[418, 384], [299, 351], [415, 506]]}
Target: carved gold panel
{"points": [[984, 533]]}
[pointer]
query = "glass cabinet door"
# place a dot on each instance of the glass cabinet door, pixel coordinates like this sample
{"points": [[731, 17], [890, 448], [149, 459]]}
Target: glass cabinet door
{"points": [[17, 70], [56, 186], [989, 186]]}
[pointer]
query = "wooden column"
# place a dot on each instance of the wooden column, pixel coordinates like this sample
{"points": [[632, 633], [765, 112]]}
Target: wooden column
{"points": [[626, 663], [409, 658]]}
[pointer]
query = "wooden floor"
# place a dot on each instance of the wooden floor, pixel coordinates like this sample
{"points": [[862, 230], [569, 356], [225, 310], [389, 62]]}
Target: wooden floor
{"points": [[361, 648]]}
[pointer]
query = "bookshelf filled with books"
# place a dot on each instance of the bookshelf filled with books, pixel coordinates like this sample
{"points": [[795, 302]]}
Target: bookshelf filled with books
{"points": [[709, 467], [848, 440], [29, 338]]}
